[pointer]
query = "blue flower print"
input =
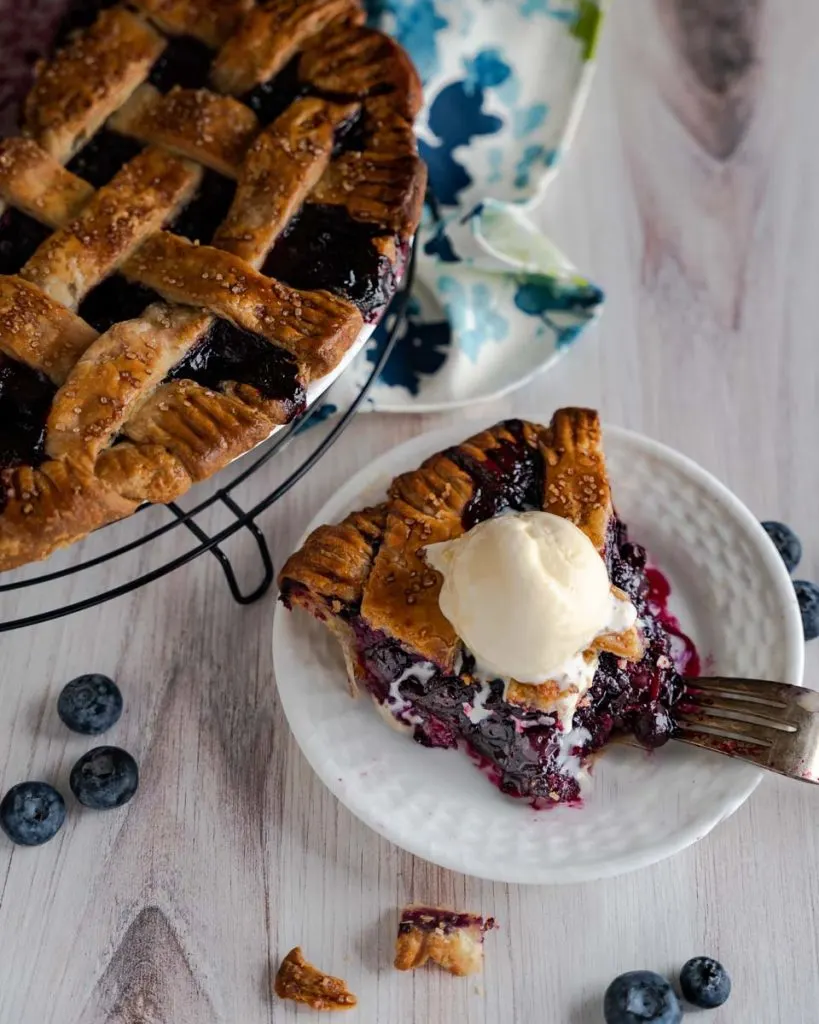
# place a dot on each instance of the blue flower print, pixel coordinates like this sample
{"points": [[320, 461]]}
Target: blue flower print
{"points": [[533, 156], [439, 245], [494, 158], [421, 351], [565, 308], [486, 69], [415, 24], [528, 8], [320, 414], [527, 119], [456, 116], [472, 314]]}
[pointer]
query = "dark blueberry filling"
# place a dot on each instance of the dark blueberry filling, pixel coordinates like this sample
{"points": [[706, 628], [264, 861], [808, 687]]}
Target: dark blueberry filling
{"points": [[517, 746], [20, 236], [634, 697], [206, 211], [25, 399], [522, 748], [114, 300], [511, 477], [269, 99], [102, 156], [323, 247], [229, 353], [430, 919], [350, 136], [185, 61]]}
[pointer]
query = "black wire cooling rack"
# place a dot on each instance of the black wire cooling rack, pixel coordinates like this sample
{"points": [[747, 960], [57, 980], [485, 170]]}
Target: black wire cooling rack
{"points": [[191, 519]]}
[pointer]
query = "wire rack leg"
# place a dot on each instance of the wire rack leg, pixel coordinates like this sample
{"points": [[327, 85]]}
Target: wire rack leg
{"points": [[222, 558]]}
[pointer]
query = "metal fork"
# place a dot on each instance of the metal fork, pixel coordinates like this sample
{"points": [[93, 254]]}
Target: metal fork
{"points": [[773, 725]]}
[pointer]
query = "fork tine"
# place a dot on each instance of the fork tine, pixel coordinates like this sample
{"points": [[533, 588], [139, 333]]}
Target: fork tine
{"points": [[757, 690], [772, 725], [774, 716], [727, 728]]}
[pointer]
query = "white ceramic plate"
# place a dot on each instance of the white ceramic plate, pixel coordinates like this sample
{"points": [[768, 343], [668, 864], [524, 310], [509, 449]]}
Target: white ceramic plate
{"points": [[733, 595]]}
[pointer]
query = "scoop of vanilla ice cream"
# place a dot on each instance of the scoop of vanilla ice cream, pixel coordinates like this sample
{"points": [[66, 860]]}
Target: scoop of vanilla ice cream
{"points": [[525, 592]]}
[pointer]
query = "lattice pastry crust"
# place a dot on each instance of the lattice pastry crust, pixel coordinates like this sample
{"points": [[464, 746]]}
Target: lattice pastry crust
{"points": [[125, 425], [373, 560]]}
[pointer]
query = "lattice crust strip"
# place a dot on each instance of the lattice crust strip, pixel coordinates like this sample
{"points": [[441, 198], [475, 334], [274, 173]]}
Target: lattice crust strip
{"points": [[121, 429]]}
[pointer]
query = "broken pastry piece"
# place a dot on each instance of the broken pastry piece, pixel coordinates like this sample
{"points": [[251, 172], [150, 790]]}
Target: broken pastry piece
{"points": [[453, 941], [302, 982]]}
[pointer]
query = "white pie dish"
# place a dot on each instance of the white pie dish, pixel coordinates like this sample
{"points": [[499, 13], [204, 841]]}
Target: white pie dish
{"points": [[732, 594]]}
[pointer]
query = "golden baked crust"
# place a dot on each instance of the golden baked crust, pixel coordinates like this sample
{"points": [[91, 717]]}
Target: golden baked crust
{"points": [[121, 430], [332, 567], [48, 506], [89, 79], [112, 377], [216, 131], [300, 981], [317, 327], [212, 21], [382, 189], [576, 485], [40, 185], [282, 167], [269, 35], [204, 429], [450, 939], [40, 332], [386, 579], [112, 225], [362, 62]]}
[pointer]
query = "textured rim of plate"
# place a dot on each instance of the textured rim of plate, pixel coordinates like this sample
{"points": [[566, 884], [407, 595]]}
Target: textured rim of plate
{"points": [[793, 646]]}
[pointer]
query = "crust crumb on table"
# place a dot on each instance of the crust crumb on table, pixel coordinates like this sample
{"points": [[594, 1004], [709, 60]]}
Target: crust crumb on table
{"points": [[300, 981], [450, 939]]}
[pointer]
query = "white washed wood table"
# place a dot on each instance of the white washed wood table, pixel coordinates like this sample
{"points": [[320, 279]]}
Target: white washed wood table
{"points": [[691, 195]]}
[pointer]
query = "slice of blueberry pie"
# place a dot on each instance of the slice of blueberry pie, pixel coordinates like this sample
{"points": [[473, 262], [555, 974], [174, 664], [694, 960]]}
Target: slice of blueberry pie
{"points": [[495, 602], [206, 201]]}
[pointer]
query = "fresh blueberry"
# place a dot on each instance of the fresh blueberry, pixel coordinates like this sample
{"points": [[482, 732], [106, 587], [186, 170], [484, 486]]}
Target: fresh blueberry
{"points": [[31, 813], [786, 542], [654, 726], [105, 777], [90, 704], [807, 594], [705, 982], [641, 997]]}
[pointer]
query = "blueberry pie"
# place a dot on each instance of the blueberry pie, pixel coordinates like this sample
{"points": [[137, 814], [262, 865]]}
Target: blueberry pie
{"points": [[206, 202], [450, 939], [495, 602]]}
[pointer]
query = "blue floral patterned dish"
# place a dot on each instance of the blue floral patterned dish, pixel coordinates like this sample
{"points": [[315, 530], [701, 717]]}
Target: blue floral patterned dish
{"points": [[494, 301]]}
